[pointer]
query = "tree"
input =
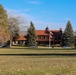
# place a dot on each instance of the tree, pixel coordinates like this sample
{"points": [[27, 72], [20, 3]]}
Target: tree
{"points": [[21, 19], [14, 29], [31, 36], [17, 22], [4, 32], [68, 35]]}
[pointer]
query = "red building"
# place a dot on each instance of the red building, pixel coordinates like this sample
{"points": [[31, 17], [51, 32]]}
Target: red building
{"points": [[75, 37], [43, 37]]}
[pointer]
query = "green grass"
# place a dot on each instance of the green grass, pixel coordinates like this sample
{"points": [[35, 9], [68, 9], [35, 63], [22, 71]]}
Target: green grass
{"points": [[24, 50], [37, 65]]}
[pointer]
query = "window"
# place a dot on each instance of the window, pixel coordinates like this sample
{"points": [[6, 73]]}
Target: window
{"points": [[39, 37], [47, 37], [43, 37]]}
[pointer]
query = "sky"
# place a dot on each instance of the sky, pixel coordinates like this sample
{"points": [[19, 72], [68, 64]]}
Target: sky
{"points": [[52, 13]]}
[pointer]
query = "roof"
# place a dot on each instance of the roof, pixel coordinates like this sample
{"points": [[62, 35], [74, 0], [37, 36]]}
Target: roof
{"points": [[21, 37], [43, 32], [22, 32], [74, 33], [38, 33]]}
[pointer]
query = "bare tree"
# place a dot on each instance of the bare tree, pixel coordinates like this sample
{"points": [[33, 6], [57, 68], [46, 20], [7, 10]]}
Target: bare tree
{"points": [[17, 23], [21, 19], [14, 28]]}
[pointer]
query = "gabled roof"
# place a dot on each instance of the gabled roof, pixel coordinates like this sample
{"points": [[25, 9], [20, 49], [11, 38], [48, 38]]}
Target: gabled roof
{"points": [[22, 32], [38, 33], [43, 32], [55, 31], [21, 37]]}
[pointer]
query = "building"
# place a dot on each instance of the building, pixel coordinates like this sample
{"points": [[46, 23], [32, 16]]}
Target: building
{"points": [[75, 37], [21, 40], [43, 37]]}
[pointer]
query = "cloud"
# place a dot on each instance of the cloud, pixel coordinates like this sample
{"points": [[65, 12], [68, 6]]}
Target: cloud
{"points": [[67, 19], [27, 10], [46, 12], [39, 24], [18, 11], [34, 2]]}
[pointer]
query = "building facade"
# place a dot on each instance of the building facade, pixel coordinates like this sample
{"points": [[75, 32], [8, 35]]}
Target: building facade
{"points": [[75, 38], [22, 39], [43, 38]]}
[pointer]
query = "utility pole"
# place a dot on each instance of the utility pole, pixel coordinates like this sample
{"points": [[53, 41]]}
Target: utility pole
{"points": [[50, 37], [49, 41]]}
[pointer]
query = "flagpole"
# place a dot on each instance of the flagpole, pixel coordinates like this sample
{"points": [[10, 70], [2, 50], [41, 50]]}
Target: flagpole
{"points": [[50, 36], [49, 40]]}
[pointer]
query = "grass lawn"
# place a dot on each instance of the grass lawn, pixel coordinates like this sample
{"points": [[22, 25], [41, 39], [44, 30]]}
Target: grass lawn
{"points": [[37, 65], [46, 51], [23, 65]]}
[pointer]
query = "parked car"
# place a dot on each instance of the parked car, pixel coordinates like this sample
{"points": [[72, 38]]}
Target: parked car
{"points": [[66, 47], [0, 45]]}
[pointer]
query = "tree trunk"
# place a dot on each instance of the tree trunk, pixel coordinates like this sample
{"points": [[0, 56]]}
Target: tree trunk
{"points": [[10, 38]]}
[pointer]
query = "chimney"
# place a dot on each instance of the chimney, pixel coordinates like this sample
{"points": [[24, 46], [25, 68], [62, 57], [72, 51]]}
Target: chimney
{"points": [[60, 29], [47, 29]]}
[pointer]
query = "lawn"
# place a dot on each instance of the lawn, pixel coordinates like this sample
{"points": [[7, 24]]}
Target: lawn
{"points": [[41, 51], [23, 65], [37, 65]]}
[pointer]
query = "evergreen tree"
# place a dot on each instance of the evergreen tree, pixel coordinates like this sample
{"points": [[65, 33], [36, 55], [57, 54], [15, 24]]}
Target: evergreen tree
{"points": [[31, 36], [4, 32], [68, 35]]}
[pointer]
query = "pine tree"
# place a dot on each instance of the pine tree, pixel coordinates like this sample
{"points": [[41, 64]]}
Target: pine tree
{"points": [[68, 36], [4, 32], [31, 36]]}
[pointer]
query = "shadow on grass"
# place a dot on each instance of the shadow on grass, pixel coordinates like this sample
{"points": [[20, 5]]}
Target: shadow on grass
{"points": [[42, 48], [54, 54]]}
